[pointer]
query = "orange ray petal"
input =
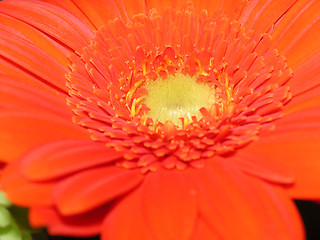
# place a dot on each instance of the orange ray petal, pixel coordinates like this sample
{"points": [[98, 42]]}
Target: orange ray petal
{"points": [[18, 96], [27, 55], [203, 231], [305, 86], [304, 45], [22, 192], [169, 204], [229, 199], [294, 145], [232, 8], [57, 159], [306, 76], [56, 22], [101, 11], [296, 33], [71, 7], [83, 225], [28, 33], [260, 15], [108, 183], [17, 128], [262, 169], [126, 220], [11, 72]]}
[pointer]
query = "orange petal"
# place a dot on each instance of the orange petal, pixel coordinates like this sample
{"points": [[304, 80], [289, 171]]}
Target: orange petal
{"points": [[261, 15], [22, 192], [101, 11], [30, 34], [126, 220], [232, 8], [91, 188], [169, 204], [305, 86], [71, 7], [84, 225], [304, 46], [265, 170], [21, 131], [294, 145], [18, 96], [29, 57], [203, 231], [11, 72], [56, 22], [253, 209], [56, 159], [306, 76], [296, 33]]}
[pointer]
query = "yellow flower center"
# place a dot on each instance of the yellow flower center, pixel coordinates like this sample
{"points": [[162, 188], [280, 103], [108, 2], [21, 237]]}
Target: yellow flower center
{"points": [[177, 96]]}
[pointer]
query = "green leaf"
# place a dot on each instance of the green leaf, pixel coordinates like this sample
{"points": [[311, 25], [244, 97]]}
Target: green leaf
{"points": [[3, 200], [10, 233], [5, 217]]}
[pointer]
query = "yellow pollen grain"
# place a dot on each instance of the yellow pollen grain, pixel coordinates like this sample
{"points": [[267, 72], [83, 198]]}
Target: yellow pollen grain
{"points": [[177, 96]]}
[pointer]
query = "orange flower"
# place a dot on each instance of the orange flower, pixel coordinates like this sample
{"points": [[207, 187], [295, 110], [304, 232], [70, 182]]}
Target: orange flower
{"points": [[160, 120]]}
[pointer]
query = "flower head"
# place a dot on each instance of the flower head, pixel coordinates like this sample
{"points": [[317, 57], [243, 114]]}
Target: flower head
{"points": [[160, 122]]}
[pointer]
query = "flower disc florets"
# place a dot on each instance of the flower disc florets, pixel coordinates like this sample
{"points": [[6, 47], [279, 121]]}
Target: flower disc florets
{"points": [[108, 87]]}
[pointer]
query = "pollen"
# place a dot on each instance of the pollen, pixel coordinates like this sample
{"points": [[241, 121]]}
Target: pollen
{"points": [[177, 96]]}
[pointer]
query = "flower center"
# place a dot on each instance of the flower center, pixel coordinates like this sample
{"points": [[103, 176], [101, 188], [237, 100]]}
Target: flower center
{"points": [[177, 96]]}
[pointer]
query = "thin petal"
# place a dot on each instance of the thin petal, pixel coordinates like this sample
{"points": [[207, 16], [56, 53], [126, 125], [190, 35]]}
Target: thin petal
{"points": [[253, 209], [28, 56], [101, 11], [89, 189], [306, 76], [305, 86], [232, 8], [71, 7], [19, 96], [169, 204], [54, 21], [295, 34], [260, 15], [30, 34], [16, 129], [11, 72], [63, 157]]}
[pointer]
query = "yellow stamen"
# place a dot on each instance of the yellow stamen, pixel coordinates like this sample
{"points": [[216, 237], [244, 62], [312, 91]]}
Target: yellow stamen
{"points": [[177, 96]]}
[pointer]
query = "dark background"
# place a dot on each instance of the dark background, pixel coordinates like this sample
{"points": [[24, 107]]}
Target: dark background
{"points": [[310, 213]]}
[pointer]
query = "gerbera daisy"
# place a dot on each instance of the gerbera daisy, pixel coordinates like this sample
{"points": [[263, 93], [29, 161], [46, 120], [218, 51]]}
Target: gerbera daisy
{"points": [[161, 120]]}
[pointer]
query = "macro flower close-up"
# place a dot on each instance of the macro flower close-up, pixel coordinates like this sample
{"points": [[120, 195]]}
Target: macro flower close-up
{"points": [[161, 120]]}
